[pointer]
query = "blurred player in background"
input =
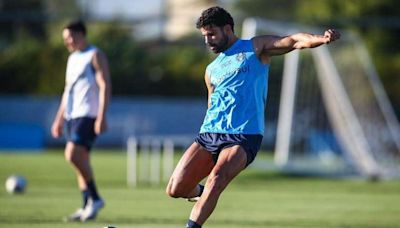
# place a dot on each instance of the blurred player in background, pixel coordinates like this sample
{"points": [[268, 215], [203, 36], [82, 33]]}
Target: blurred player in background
{"points": [[82, 112], [233, 128]]}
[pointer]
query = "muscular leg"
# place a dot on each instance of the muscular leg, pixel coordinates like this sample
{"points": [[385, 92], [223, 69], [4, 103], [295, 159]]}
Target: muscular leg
{"points": [[231, 161], [78, 156], [195, 164]]}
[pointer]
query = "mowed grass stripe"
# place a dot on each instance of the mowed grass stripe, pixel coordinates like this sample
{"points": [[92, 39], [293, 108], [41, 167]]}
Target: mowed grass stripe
{"points": [[255, 199]]}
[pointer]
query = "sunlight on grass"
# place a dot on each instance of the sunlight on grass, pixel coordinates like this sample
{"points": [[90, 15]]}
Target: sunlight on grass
{"points": [[254, 199]]}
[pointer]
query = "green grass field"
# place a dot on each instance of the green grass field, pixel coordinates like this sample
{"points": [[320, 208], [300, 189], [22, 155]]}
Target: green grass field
{"points": [[255, 199]]}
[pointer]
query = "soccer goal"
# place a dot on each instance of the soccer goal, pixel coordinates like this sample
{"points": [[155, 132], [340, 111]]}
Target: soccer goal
{"points": [[334, 115]]}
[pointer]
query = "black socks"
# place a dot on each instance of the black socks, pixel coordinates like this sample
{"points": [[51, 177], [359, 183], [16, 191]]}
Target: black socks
{"points": [[201, 189], [91, 188], [192, 224], [85, 197]]}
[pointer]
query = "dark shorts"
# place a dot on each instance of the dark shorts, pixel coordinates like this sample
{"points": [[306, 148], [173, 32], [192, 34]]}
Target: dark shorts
{"points": [[80, 131], [216, 142]]}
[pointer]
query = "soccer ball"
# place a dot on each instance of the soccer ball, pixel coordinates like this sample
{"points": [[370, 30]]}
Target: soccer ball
{"points": [[16, 184]]}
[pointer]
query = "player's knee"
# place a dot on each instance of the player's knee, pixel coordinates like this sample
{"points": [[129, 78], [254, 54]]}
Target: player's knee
{"points": [[172, 190], [168, 191], [71, 158], [171, 193], [68, 157]]}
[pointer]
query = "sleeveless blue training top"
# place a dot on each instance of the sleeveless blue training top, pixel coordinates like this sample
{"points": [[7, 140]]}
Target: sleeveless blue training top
{"points": [[240, 82]]}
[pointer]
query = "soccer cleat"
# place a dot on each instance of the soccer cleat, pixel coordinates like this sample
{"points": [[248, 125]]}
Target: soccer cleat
{"points": [[91, 209], [196, 198], [76, 216], [193, 199]]}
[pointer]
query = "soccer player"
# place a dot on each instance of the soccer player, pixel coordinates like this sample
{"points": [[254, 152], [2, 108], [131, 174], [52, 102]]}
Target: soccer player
{"points": [[82, 112], [233, 127]]}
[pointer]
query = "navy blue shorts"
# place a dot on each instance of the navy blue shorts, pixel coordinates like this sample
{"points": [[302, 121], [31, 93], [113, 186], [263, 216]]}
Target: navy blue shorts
{"points": [[80, 131], [216, 142]]}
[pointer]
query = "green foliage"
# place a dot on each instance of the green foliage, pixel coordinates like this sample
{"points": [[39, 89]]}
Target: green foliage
{"points": [[33, 57], [182, 68], [52, 72], [30, 66], [19, 66], [21, 16], [149, 68], [272, 9], [127, 60]]}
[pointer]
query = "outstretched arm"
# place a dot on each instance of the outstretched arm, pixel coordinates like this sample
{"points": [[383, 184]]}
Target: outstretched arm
{"points": [[267, 45]]}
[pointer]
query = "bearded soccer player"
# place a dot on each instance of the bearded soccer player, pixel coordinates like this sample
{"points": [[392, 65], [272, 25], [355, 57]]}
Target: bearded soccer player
{"points": [[233, 127]]}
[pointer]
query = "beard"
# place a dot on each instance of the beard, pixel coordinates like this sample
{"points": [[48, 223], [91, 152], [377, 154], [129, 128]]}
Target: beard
{"points": [[220, 46]]}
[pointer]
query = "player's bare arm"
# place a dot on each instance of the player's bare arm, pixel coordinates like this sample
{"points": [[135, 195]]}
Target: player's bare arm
{"points": [[100, 65], [58, 123], [267, 46], [210, 88]]}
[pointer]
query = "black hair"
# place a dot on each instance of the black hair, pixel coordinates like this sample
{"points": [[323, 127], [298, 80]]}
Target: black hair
{"points": [[76, 26], [215, 16]]}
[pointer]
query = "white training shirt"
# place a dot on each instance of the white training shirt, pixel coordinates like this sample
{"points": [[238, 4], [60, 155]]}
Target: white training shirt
{"points": [[81, 90]]}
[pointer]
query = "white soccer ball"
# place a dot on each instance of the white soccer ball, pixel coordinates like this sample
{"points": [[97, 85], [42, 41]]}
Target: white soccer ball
{"points": [[16, 184]]}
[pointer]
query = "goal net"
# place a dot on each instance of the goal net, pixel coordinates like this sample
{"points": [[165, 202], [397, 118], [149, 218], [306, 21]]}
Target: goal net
{"points": [[334, 115]]}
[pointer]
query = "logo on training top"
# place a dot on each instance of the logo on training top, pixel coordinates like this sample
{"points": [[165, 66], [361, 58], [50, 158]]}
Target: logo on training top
{"points": [[240, 56], [228, 67]]}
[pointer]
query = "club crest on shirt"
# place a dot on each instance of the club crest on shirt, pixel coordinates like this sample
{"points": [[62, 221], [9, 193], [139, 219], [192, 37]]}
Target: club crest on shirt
{"points": [[240, 56]]}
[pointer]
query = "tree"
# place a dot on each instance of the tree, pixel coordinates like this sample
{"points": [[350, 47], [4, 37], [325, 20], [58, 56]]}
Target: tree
{"points": [[21, 17]]}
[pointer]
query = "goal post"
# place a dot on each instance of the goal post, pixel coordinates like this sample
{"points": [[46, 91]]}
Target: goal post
{"points": [[150, 158], [334, 115], [340, 111]]}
